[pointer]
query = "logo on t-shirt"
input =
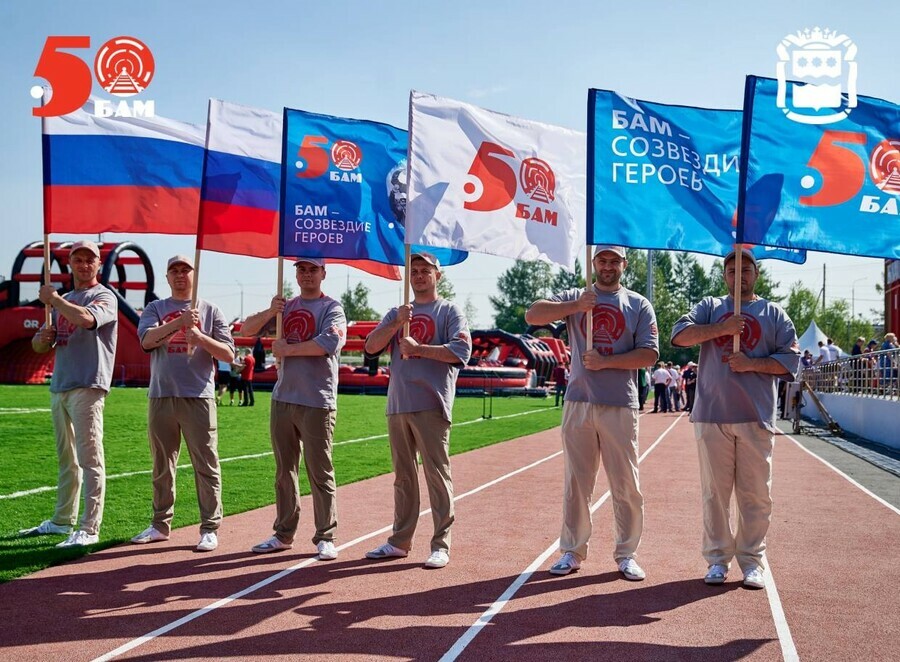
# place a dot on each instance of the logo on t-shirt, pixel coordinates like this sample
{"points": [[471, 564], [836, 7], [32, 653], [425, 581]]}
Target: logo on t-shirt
{"points": [[421, 329], [609, 325], [750, 336], [177, 343], [299, 326], [64, 331]]}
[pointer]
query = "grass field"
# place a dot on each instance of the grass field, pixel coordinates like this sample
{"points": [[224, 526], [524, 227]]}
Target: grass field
{"points": [[28, 461]]}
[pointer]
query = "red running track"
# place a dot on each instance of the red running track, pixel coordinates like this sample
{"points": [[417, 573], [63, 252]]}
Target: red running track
{"points": [[832, 551]]}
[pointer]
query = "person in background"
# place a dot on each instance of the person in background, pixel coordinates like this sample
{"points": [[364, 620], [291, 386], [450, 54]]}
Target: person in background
{"points": [[643, 386], [247, 379], [661, 380], [689, 377], [560, 379]]}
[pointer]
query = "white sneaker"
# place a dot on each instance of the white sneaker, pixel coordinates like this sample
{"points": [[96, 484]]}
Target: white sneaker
{"points": [[386, 551], [46, 528], [567, 563], [438, 559], [754, 578], [632, 571], [80, 539], [208, 542], [269, 545], [326, 550], [149, 535], [716, 574]]}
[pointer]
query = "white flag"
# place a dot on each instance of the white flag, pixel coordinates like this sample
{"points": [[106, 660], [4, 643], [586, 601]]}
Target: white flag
{"points": [[490, 183]]}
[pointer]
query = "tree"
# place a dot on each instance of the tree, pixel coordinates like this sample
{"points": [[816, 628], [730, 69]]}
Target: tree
{"points": [[567, 280], [356, 304], [801, 306], [287, 288], [445, 288], [470, 311], [519, 287]]}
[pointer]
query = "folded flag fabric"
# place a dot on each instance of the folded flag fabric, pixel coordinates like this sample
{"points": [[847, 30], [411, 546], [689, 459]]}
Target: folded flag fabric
{"points": [[819, 180], [121, 174], [665, 177], [491, 183], [344, 190]]}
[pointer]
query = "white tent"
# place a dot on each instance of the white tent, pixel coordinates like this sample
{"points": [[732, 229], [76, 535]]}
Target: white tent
{"points": [[810, 339]]}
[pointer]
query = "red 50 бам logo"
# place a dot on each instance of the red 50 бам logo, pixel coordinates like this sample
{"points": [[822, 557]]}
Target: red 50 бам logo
{"points": [[842, 173], [314, 160], [492, 184], [124, 67]]}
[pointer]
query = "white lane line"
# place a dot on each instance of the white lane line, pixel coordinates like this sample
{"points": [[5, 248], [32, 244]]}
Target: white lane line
{"points": [[131, 645], [508, 594], [843, 475], [147, 472], [788, 649], [21, 410]]}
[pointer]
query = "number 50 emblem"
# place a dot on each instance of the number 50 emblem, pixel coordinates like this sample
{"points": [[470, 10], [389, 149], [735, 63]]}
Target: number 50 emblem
{"points": [[124, 67]]}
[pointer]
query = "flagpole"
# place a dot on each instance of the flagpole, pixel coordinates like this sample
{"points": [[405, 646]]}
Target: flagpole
{"points": [[48, 314], [406, 286], [279, 317], [588, 287], [738, 254], [194, 297]]}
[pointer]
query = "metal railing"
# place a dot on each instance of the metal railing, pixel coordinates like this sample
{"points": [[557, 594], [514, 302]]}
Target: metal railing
{"points": [[871, 375]]}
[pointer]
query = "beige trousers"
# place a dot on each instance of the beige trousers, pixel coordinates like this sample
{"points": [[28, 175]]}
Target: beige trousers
{"points": [[298, 431], [735, 458], [78, 421], [591, 433], [195, 418], [428, 433]]}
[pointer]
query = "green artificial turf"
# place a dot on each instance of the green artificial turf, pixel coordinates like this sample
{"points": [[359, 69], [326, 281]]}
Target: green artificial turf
{"points": [[28, 460]]}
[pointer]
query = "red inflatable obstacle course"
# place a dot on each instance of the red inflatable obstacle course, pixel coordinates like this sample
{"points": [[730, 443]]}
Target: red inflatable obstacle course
{"points": [[126, 267]]}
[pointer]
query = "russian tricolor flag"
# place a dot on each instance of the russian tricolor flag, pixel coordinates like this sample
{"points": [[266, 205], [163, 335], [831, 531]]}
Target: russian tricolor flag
{"points": [[242, 186], [121, 174]]}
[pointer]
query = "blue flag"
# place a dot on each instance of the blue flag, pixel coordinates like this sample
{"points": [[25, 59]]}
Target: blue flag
{"points": [[343, 191], [831, 187], [664, 177]]}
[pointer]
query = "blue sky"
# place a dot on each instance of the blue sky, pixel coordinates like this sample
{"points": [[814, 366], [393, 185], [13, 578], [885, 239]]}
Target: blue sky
{"points": [[360, 59]]}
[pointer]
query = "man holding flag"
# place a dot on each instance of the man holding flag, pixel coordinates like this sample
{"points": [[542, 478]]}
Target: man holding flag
{"points": [[734, 415], [304, 405], [84, 333], [184, 344], [425, 361], [600, 419]]}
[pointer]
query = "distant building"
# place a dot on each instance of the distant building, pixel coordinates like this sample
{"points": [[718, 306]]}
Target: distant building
{"points": [[892, 296]]}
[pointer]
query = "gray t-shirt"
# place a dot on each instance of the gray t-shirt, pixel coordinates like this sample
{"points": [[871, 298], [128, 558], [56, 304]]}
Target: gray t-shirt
{"points": [[312, 381], [623, 320], [85, 357], [172, 373], [724, 396], [418, 384]]}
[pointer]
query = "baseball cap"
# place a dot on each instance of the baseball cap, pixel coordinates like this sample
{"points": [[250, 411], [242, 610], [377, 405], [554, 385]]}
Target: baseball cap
{"points": [[316, 261], [618, 250], [86, 246], [747, 255], [427, 257], [179, 259]]}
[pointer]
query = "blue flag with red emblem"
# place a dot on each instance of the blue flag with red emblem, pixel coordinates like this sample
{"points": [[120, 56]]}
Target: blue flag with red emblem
{"points": [[822, 181], [343, 190], [665, 177]]}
